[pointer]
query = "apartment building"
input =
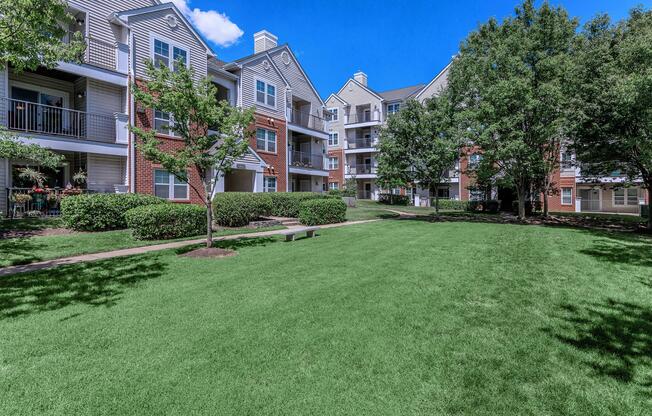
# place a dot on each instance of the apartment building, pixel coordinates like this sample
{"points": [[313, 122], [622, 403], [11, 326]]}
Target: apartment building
{"points": [[357, 114]]}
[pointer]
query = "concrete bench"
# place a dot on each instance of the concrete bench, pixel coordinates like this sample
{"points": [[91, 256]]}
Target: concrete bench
{"points": [[310, 232]]}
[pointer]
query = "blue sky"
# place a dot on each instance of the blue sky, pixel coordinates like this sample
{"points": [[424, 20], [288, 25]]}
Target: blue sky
{"points": [[397, 43]]}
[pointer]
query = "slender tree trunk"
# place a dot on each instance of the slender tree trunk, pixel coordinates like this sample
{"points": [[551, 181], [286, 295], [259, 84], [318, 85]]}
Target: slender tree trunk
{"points": [[545, 199], [649, 204], [520, 191], [209, 216], [437, 199]]}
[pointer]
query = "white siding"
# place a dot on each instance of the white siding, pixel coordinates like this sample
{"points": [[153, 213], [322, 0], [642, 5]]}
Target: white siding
{"points": [[155, 23], [105, 171]]}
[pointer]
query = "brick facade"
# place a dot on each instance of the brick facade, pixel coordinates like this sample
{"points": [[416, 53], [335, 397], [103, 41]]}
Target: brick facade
{"points": [[277, 162], [337, 175], [559, 182]]}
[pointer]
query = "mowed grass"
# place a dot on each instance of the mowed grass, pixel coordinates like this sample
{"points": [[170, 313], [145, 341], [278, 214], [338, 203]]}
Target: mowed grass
{"points": [[391, 317], [25, 250]]}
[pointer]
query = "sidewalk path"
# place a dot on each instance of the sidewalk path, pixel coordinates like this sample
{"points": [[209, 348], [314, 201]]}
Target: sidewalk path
{"points": [[32, 267]]}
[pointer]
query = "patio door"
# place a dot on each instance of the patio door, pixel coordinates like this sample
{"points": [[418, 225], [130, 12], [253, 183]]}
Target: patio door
{"points": [[590, 199], [38, 111]]}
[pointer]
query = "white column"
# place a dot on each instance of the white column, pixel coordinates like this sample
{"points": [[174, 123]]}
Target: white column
{"points": [[122, 58], [578, 204], [121, 129]]}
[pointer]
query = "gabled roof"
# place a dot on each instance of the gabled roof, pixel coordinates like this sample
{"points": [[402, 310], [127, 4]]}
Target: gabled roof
{"points": [[244, 60], [440, 74], [163, 6], [338, 98], [215, 65], [369, 90], [401, 93]]}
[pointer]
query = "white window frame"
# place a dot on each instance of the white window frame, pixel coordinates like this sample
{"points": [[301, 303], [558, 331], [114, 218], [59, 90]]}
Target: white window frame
{"points": [[171, 185], [625, 197], [170, 121], [333, 186], [267, 84], [266, 188], [153, 37], [474, 164], [267, 140], [335, 113], [389, 112], [333, 143], [331, 165], [570, 201]]}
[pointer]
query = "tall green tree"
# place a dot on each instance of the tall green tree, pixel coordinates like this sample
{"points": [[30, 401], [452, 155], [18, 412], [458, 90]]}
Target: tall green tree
{"points": [[418, 146], [612, 106], [507, 83], [214, 134], [32, 34]]}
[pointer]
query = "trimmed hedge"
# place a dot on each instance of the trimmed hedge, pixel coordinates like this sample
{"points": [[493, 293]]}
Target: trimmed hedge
{"points": [[100, 212], [322, 211], [391, 199], [237, 209], [164, 221], [286, 204], [450, 204]]}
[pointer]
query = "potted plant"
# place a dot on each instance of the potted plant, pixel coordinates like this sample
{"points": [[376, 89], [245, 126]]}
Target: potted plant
{"points": [[79, 178]]}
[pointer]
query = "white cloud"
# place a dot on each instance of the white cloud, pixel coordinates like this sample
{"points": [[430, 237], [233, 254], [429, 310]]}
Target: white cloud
{"points": [[213, 25]]}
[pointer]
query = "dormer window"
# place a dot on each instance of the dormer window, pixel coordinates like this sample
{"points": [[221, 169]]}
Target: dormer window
{"points": [[265, 93], [168, 55]]}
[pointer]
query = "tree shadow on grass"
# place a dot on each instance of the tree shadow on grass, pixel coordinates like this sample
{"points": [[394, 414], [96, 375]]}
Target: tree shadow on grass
{"points": [[617, 247], [20, 251], [98, 283], [234, 244], [616, 338]]}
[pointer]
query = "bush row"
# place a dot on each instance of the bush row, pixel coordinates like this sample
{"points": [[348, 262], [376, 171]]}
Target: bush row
{"points": [[101, 212], [451, 204], [286, 204], [391, 199], [163, 221], [322, 211]]}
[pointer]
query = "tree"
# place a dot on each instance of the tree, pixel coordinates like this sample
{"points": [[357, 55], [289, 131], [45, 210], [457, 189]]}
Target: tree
{"points": [[507, 84], [417, 146], [11, 148], [612, 106], [32, 34], [214, 134]]}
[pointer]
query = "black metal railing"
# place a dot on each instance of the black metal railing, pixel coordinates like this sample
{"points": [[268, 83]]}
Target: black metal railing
{"points": [[37, 201], [57, 121], [360, 143], [363, 117], [307, 120], [98, 52], [361, 169], [306, 160]]}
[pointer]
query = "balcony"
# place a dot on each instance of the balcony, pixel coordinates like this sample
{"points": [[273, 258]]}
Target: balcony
{"points": [[99, 56], [306, 123], [366, 118], [45, 120], [306, 160], [361, 169], [360, 143], [45, 201]]}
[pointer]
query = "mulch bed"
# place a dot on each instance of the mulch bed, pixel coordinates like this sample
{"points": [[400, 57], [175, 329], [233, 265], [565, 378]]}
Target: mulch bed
{"points": [[34, 233], [212, 252]]}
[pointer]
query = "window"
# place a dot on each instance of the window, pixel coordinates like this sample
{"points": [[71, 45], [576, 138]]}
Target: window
{"points": [[474, 160], [168, 186], [265, 93], [567, 196], [566, 160], [163, 122], [626, 196], [167, 55], [269, 184], [334, 114], [443, 193], [393, 108], [476, 194], [333, 139], [333, 185], [266, 140], [333, 163]]}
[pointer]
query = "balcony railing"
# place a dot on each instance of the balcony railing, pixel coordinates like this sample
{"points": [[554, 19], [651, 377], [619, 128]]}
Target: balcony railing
{"points": [[307, 120], [306, 160], [361, 169], [98, 52], [43, 202], [360, 143], [56, 121], [361, 118]]}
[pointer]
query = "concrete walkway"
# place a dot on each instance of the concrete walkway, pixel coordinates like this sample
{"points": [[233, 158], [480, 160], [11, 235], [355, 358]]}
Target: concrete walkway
{"points": [[41, 265]]}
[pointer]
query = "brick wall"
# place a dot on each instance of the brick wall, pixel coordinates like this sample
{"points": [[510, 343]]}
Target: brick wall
{"points": [[338, 174], [277, 161], [554, 201]]}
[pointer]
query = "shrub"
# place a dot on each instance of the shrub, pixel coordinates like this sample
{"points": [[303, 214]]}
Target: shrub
{"points": [[100, 212], [391, 199], [322, 211], [237, 209], [450, 204], [346, 192], [491, 206], [645, 211], [163, 221], [286, 204]]}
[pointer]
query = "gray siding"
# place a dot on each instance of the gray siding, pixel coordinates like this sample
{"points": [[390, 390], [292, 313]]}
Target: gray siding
{"points": [[256, 69], [434, 87], [3, 186], [105, 171], [154, 23], [104, 98], [248, 157], [45, 82], [336, 126], [298, 82], [98, 11]]}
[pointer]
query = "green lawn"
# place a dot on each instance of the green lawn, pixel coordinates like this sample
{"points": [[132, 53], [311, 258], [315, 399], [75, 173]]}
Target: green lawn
{"points": [[26, 250], [367, 210], [29, 224], [391, 317]]}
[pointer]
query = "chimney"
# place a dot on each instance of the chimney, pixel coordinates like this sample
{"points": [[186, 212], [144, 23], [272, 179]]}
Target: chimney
{"points": [[264, 40], [361, 77]]}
